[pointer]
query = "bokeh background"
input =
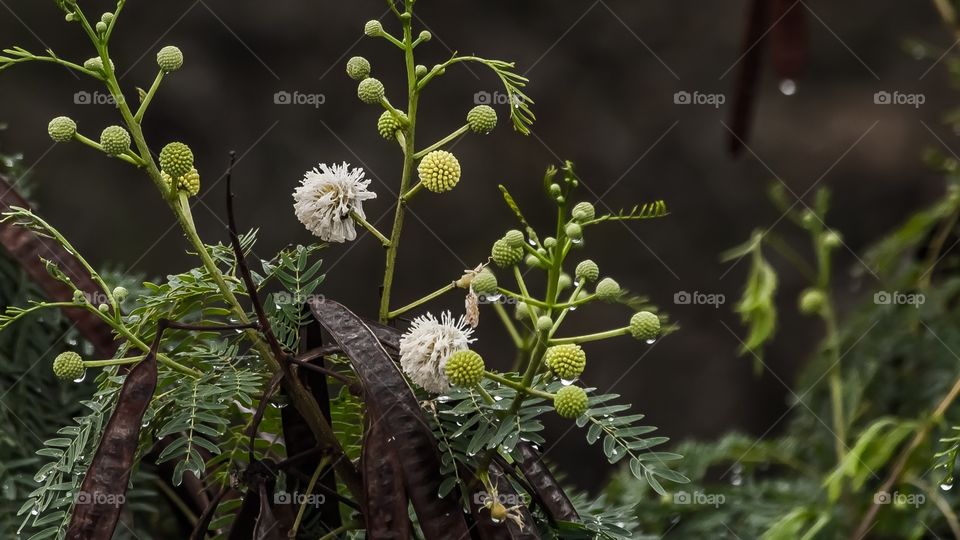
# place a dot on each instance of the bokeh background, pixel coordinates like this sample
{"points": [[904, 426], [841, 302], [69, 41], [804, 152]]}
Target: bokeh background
{"points": [[603, 75]]}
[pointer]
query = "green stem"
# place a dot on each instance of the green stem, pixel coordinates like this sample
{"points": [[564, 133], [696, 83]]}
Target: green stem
{"points": [[368, 226], [517, 386], [335, 534], [836, 383], [114, 362], [563, 314], [617, 332], [508, 324], [303, 506], [96, 146], [412, 191], [424, 300], [149, 97], [442, 142]]}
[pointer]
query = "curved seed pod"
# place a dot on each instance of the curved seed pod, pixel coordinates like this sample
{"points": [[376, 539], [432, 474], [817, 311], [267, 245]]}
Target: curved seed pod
{"points": [[748, 75], [27, 248], [788, 39], [109, 472], [486, 528], [548, 490], [391, 401], [386, 499]]}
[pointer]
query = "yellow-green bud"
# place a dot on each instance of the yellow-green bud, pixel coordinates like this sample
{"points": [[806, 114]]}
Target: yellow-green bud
{"points": [[370, 91], [421, 71], [439, 171], [482, 119], [120, 293], [504, 255], [190, 182], [170, 59], [465, 368], [176, 159], [115, 140], [587, 271], [514, 237], [564, 281], [533, 261], [95, 64], [567, 361], [544, 323], [524, 310], [570, 401], [484, 283], [101, 27], [79, 297], [373, 29], [107, 17], [583, 212], [68, 366], [358, 68], [644, 326], [425, 36], [812, 301], [62, 129], [388, 125], [574, 231], [832, 239], [608, 290]]}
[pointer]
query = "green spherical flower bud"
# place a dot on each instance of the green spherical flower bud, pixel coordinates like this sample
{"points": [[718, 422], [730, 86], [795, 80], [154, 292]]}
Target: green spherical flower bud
{"points": [[370, 91], [106, 17], [120, 293], [62, 129], [544, 323], [644, 326], [103, 308], [574, 231], [812, 301], [439, 69], [564, 281], [70, 17], [388, 125], [549, 243], [465, 368], [170, 59], [421, 71], [523, 311], [570, 401], [504, 255], [514, 238], [115, 140], [532, 261], [809, 219], [101, 27], [425, 36], [832, 239], [176, 159], [95, 64], [358, 68], [79, 297], [608, 290], [584, 212], [190, 182], [587, 271], [439, 171], [484, 283], [68, 366], [555, 190], [373, 29], [567, 360], [482, 119]]}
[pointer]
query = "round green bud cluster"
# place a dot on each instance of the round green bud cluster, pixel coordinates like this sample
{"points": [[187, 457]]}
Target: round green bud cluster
{"points": [[465, 368], [544, 323], [115, 140], [574, 231], [176, 159], [170, 59], [482, 119], [79, 297], [388, 125], [549, 242], [504, 255], [101, 27], [370, 91], [812, 301], [567, 360], [644, 326], [95, 64], [608, 290], [358, 68], [425, 36], [570, 401], [120, 293], [587, 271], [420, 71], [373, 29], [484, 283], [190, 182], [439, 171], [68, 366], [584, 212], [62, 129], [555, 190], [106, 17], [514, 238]]}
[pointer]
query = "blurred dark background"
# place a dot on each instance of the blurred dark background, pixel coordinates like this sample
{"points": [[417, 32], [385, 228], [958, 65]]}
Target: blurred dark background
{"points": [[603, 75]]}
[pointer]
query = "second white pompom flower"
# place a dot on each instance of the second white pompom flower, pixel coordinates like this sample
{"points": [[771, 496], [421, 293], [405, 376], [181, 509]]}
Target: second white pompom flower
{"points": [[326, 197], [426, 347]]}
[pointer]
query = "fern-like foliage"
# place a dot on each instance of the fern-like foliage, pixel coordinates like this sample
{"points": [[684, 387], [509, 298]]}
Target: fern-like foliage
{"points": [[651, 210], [299, 277]]}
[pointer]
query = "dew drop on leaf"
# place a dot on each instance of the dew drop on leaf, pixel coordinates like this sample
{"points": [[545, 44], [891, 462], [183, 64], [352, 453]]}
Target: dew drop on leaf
{"points": [[651, 341], [81, 378], [947, 484]]}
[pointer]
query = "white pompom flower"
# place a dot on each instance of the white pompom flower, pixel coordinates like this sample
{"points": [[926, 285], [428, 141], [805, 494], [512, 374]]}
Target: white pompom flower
{"points": [[326, 197], [428, 344]]}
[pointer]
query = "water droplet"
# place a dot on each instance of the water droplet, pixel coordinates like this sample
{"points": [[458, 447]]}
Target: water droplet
{"points": [[736, 478], [947, 484], [493, 297], [81, 378], [576, 241], [651, 341], [788, 87], [566, 382], [572, 308], [531, 242], [495, 520], [35, 511], [498, 398]]}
